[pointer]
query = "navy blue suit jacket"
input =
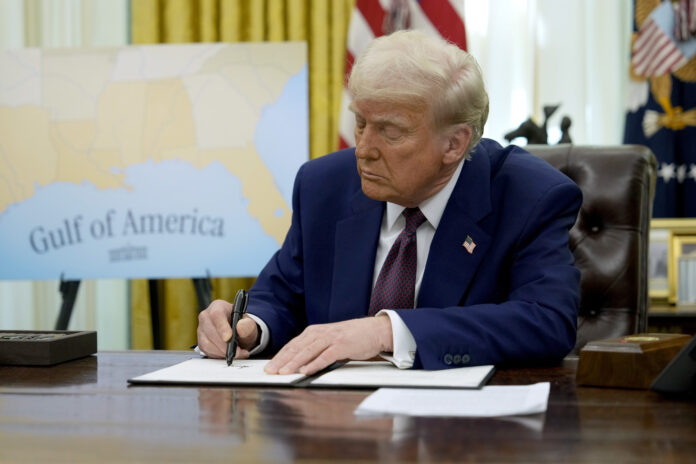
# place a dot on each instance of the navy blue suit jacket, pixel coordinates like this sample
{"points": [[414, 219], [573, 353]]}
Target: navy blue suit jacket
{"points": [[514, 299]]}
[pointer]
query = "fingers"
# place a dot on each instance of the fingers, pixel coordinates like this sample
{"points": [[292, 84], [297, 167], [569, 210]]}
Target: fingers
{"points": [[325, 359], [241, 353], [209, 348], [220, 318], [214, 328], [247, 333], [318, 346], [299, 352]]}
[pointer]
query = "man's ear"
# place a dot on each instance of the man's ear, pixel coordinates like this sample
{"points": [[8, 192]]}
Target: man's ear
{"points": [[457, 142]]}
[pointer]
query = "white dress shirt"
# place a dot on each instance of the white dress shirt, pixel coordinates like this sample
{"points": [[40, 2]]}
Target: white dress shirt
{"points": [[392, 224]]}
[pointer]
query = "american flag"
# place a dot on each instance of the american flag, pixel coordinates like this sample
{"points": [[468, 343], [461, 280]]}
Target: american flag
{"points": [[373, 18], [657, 49], [469, 244], [654, 52], [662, 113]]}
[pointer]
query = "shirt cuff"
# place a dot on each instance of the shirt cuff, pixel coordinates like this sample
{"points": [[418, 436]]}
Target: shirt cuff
{"points": [[265, 335], [403, 342]]}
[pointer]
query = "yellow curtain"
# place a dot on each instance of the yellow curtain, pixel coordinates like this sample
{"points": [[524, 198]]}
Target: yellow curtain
{"points": [[323, 24]]}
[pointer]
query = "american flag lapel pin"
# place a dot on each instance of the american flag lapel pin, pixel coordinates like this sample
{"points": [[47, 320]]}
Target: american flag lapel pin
{"points": [[469, 244]]}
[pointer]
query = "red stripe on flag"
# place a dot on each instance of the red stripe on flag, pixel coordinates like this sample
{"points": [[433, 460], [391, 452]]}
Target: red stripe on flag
{"points": [[647, 53], [647, 30], [373, 14], [660, 44], [446, 20], [341, 143], [670, 57], [669, 63], [349, 66]]}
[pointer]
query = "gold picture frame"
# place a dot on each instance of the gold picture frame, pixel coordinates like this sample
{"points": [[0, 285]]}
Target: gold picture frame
{"points": [[681, 245], [675, 236]]}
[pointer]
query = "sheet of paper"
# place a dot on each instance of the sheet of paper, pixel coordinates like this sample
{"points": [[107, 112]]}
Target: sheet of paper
{"points": [[385, 374], [493, 401], [216, 371]]}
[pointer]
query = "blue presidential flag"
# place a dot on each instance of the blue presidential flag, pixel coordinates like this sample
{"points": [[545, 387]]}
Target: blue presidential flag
{"points": [[662, 99]]}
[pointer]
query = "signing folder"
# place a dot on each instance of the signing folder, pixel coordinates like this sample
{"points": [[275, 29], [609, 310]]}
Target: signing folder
{"points": [[353, 374]]}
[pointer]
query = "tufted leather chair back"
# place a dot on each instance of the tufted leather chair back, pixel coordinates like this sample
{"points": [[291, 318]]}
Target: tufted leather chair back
{"points": [[610, 237]]}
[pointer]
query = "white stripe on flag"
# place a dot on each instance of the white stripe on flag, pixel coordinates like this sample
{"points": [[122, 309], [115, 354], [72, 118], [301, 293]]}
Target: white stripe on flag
{"points": [[640, 53], [677, 62], [665, 55], [419, 20], [648, 52], [347, 122], [359, 33], [661, 43], [673, 55], [647, 30]]}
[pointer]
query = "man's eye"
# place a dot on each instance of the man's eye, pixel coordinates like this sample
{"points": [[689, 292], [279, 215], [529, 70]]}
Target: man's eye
{"points": [[392, 133]]}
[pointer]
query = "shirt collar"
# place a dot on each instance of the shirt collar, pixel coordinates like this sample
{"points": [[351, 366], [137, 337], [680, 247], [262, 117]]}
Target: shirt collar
{"points": [[432, 208]]}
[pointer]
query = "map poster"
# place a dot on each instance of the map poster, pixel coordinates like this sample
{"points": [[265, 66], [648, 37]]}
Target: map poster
{"points": [[150, 161]]}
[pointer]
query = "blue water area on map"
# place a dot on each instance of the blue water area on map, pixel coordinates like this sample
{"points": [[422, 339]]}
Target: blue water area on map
{"points": [[282, 133], [80, 231]]}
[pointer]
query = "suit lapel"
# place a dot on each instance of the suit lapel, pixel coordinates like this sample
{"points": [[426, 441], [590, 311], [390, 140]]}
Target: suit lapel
{"points": [[355, 245], [451, 267]]}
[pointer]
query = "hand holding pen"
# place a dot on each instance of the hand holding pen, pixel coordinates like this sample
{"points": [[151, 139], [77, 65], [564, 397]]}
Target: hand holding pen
{"points": [[240, 305], [215, 330]]}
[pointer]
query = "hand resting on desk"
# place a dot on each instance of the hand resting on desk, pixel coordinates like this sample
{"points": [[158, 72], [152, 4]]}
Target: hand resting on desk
{"points": [[320, 345]]}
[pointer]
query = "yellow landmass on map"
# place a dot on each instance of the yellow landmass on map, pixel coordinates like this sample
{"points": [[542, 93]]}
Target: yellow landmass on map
{"points": [[242, 71], [26, 153], [121, 117], [265, 201], [135, 121], [71, 80], [168, 119], [76, 162]]}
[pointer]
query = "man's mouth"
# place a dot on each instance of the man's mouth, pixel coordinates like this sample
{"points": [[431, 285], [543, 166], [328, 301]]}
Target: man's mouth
{"points": [[368, 174]]}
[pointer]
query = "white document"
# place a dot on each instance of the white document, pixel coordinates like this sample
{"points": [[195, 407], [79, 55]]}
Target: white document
{"points": [[216, 371], [353, 374], [493, 401], [385, 374]]}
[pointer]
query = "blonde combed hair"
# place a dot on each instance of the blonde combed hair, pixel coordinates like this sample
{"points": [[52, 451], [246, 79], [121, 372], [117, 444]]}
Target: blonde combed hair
{"points": [[413, 69]]}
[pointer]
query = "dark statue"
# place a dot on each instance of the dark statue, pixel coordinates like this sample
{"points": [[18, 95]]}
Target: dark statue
{"points": [[538, 135]]}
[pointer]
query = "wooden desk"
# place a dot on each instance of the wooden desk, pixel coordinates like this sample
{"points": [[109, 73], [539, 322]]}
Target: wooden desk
{"points": [[84, 411], [672, 319]]}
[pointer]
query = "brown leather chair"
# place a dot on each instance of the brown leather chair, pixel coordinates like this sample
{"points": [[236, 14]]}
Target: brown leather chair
{"points": [[610, 237]]}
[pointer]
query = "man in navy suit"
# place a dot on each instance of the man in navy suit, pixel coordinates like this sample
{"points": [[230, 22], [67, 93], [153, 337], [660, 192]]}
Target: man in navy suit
{"points": [[487, 277]]}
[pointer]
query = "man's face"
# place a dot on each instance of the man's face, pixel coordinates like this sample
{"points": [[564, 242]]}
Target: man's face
{"points": [[399, 154]]}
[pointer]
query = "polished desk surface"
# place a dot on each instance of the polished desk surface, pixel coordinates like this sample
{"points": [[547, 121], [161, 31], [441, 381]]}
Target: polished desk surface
{"points": [[85, 411]]}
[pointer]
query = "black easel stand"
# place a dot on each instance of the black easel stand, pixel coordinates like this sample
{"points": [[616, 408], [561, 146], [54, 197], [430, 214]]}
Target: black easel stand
{"points": [[154, 314], [204, 289], [204, 292], [68, 290]]}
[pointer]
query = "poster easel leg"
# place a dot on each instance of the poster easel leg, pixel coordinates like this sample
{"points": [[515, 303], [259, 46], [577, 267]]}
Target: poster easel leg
{"points": [[68, 290], [154, 314], [204, 292]]}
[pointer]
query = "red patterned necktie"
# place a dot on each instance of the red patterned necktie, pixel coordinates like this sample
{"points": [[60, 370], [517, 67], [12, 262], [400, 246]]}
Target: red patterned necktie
{"points": [[396, 284]]}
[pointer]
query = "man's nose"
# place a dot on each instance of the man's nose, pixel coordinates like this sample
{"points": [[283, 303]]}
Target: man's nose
{"points": [[364, 144]]}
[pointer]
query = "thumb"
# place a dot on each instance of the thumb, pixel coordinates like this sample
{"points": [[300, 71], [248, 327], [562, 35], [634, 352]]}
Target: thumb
{"points": [[247, 333]]}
